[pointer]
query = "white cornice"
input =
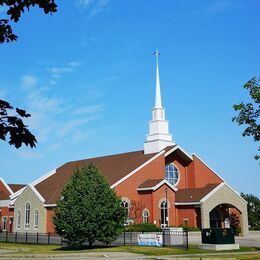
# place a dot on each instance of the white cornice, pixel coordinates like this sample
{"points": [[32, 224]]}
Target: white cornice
{"points": [[42, 178], [39, 196], [6, 186], [49, 205], [4, 203], [137, 169], [158, 185], [186, 203], [16, 194], [177, 147], [212, 192]]}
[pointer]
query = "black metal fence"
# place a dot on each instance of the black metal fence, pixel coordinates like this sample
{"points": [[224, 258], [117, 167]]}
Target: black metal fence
{"points": [[164, 238]]}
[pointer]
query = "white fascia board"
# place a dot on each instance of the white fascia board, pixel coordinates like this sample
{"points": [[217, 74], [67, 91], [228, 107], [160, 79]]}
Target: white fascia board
{"points": [[212, 192], [164, 182], [16, 194], [39, 196], [11, 203], [177, 147], [209, 167], [137, 169], [186, 203], [237, 193], [49, 205], [42, 178], [6, 186], [157, 186], [4, 203]]}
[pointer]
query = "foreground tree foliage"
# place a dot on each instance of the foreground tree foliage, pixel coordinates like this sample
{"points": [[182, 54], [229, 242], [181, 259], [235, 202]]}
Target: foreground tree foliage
{"points": [[15, 8], [253, 208], [249, 112], [88, 210], [13, 128]]}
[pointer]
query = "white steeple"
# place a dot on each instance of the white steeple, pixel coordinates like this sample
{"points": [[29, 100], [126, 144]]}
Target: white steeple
{"points": [[158, 137]]}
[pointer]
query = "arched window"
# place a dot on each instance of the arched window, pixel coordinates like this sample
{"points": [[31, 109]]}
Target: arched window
{"points": [[171, 173], [125, 206], [145, 216], [164, 214], [27, 215], [18, 219], [36, 218]]}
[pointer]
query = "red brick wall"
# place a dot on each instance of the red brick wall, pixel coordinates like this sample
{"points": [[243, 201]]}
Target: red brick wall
{"points": [[190, 213], [49, 224], [203, 175], [5, 211], [157, 196]]}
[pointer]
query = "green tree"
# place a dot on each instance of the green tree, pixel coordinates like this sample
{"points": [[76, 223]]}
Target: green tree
{"points": [[249, 112], [88, 210], [253, 208], [12, 126], [14, 9]]}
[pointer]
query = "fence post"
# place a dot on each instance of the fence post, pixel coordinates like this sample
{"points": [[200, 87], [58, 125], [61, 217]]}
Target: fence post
{"points": [[6, 236], [49, 238], [15, 240], [187, 240], [37, 238], [124, 237], [26, 237], [163, 238]]}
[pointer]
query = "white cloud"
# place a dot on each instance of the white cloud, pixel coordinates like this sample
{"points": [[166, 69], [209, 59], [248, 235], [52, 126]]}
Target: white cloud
{"points": [[55, 120], [95, 6], [57, 72], [88, 109], [218, 6], [29, 81]]}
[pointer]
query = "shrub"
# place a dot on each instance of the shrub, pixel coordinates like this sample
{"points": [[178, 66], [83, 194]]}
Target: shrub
{"points": [[88, 210], [144, 227]]}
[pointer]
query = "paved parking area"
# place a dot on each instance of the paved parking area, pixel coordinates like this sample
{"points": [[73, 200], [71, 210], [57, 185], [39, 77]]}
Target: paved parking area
{"points": [[252, 240]]}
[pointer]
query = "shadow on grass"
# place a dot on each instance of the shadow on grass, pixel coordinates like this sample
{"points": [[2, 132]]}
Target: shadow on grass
{"points": [[85, 247]]}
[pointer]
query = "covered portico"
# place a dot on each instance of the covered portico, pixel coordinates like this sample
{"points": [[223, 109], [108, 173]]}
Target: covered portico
{"points": [[220, 200]]}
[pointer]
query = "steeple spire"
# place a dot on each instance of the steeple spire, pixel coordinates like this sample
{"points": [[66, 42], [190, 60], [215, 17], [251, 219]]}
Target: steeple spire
{"points": [[158, 101], [158, 137]]}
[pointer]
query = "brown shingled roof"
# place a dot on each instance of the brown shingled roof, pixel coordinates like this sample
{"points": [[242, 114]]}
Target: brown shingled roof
{"points": [[113, 167], [149, 183], [16, 187], [195, 194]]}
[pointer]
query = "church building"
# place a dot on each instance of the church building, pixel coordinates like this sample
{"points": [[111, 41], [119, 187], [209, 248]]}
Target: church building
{"points": [[162, 184]]}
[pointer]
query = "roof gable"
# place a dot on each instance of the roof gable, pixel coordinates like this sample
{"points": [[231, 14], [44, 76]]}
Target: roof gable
{"points": [[155, 184], [114, 168]]}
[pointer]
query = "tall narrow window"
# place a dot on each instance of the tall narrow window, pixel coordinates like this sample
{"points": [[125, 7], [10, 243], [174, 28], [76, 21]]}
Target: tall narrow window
{"points": [[18, 219], [171, 173], [36, 218], [164, 214], [4, 219], [125, 206], [27, 215], [145, 216]]}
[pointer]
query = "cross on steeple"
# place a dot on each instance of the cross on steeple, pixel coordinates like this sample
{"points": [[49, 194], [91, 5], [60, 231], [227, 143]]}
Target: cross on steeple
{"points": [[157, 53]]}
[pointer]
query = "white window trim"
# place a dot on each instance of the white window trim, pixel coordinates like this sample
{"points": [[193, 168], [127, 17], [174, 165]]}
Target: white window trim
{"points": [[179, 174], [3, 218], [36, 227], [25, 227], [18, 211]]}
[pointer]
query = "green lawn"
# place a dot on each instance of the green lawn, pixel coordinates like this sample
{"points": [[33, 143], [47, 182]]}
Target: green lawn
{"points": [[56, 249]]}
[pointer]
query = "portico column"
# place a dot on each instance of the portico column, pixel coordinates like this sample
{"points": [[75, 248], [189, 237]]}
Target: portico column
{"points": [[205, 222]]}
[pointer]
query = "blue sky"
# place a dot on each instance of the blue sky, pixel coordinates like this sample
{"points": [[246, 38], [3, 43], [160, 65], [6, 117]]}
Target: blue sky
{"points": [[87, 76]]}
